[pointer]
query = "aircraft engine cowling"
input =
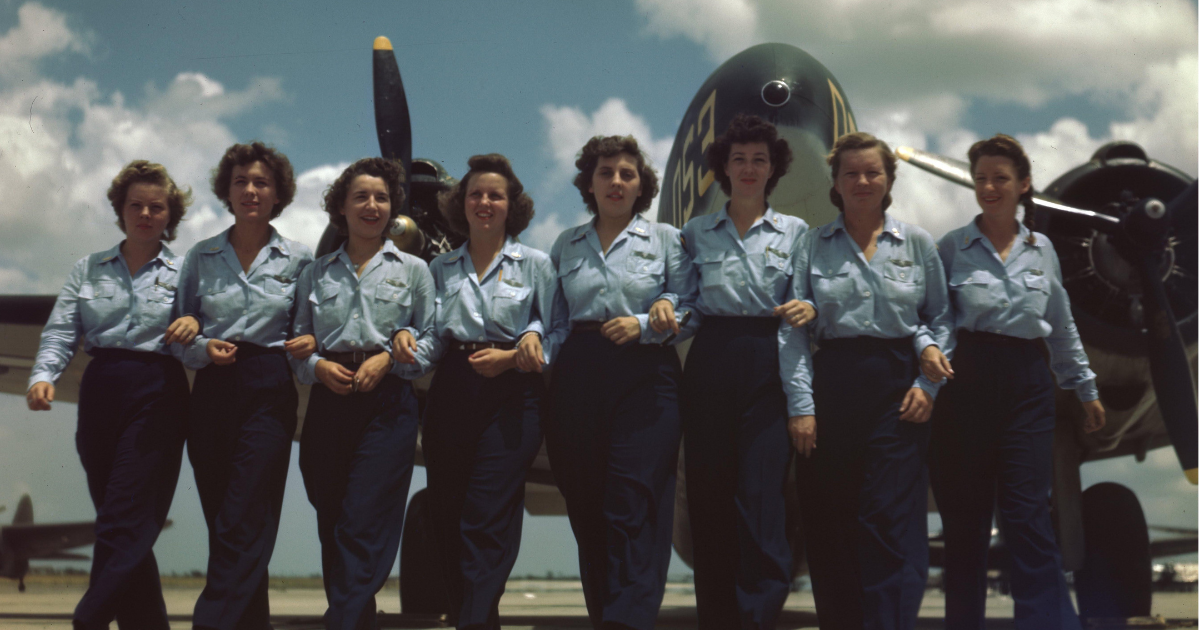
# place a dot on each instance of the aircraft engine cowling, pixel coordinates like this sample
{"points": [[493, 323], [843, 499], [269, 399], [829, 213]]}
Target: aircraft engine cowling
{"points": [[1106, 293]]}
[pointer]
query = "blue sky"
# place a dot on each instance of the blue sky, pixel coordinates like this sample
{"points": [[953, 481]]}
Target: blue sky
{"points": [[87, 86]]}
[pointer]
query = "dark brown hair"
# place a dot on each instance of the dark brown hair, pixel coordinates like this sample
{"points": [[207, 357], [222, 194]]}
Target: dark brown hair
{"points": [[245, 155], [392, 174], [520, 206], [1001, 145], [745, 129], [608, 146], [855, 142], [145, 172]]}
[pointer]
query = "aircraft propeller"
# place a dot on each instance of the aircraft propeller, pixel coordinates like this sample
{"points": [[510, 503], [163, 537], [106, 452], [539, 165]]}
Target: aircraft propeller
{"points": [[1139, 230], [392, 123]]}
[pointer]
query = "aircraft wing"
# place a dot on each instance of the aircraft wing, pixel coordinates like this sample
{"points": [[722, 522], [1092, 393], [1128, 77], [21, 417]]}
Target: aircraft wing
{"points": [[21, 320], [45, 542]]}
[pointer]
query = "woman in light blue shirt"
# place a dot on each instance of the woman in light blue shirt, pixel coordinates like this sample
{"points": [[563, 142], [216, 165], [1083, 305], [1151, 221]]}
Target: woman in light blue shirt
{"points": [[613, 431], [993, 435], [133, 395], [880, 294], [494, 298], [360, 429], [733, 403], [241, 287]]}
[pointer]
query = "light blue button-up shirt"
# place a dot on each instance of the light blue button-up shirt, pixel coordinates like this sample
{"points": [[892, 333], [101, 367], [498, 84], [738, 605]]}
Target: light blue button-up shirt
{"points": [[899, 293], [351, 313], [645, 263], [255, 307], [1021, 296], [106, 307], [514, 296], [747, 277]]}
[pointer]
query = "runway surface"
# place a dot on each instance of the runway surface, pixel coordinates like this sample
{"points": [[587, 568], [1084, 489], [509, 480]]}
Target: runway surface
{"points": [[528, 604]]}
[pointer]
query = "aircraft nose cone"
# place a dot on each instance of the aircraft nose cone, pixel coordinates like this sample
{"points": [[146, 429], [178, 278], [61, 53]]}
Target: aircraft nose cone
{"points": [[776, 93]]}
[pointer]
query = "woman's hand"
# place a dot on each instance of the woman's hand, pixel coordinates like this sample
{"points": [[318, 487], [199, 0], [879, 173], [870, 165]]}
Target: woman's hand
{"points": [[40, 396], [1092, 423], [492, 362], [221, 352], [620, 330], [404, 348], [335, 376], [372, 371], [796, 312], [529, 353], [662, 317], [301, 347], [917, 406], [934, 365], [182, 331], [803, 430]]}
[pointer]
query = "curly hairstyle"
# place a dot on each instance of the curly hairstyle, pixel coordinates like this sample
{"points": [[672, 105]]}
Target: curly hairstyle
{"points": [[609, 146], [520, 206], [855, 142], [146, 172], [245, 155], [745, 129], [392, 174], [1001, 145]]}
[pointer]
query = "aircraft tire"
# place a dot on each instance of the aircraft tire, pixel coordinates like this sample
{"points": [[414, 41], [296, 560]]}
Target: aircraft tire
{"points": [[1115, 581], [422, 587]]}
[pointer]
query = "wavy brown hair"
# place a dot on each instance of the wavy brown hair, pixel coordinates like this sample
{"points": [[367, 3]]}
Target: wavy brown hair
{"points": [[392, 174], [608, 146], [520, 205], [1001, 145], [745, 129], [146, 172], [858, 141], [245, 155]]}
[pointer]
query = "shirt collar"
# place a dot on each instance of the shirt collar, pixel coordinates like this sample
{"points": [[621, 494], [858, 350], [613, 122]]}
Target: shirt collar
{"points": [[112, 254], [972, 233], [275, 242], [512, 249], [891, 226], [639, 226], [770, 218], [165, 256]]}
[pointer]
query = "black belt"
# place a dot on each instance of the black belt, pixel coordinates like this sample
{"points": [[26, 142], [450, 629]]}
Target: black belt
{"points": [[350, 358], [865, 342], [123, 354], [247, 349], [978, 336], [586, 326], [475, 346]]}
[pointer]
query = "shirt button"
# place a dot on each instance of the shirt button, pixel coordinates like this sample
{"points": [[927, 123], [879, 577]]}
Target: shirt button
{"points": [[1004, 304], [474, 314], [353, 344], [866, 322], [237, 337], [745, 312], [970, 279], [482, 338], [356, 316], [866, 294], [901, 276], [742, 283], [601, 291]]}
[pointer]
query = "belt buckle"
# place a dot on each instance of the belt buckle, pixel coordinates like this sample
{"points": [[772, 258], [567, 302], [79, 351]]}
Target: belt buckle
{"points": [[360, 356]]}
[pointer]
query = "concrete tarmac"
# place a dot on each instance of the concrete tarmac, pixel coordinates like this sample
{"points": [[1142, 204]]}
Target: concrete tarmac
{"points": [[527, 604]]}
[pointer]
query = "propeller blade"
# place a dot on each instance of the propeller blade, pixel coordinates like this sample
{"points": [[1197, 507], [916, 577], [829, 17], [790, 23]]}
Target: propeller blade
{"points": [[959, 172], [1183, 210], [392, 123], [1170, 370]]}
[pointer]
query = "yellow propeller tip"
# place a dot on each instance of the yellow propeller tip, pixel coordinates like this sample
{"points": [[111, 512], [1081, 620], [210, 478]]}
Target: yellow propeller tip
{"points": [[383, 43], [1191, 475], [904, 153]]}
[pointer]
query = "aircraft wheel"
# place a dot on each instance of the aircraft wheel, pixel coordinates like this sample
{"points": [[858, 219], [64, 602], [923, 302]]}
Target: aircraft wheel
{"points": [[422, 587], [1115, 579]]}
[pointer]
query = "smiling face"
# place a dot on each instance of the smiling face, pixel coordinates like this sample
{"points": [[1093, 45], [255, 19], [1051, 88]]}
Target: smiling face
{"points": [[616, 185], [749, 167], [146, 212], [367, 208], [486, 204], [862, 180], [252, 192], [997, 188]]}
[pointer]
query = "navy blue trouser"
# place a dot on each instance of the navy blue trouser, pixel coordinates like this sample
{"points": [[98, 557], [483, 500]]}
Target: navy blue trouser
{"points": [[356, 455], [480, 437], [863, 493], [736, 455], [613, 442], [240, 443], [132, 414], [993, 439]]}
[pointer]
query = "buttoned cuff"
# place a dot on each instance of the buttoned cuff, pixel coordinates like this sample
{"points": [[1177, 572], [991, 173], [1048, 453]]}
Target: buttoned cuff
{"points": [[670, 297], [306, 370], [802, 405], [39, 377], [1087, 391], [922, 341], [196, 355], [649, 335], [928, 386]]}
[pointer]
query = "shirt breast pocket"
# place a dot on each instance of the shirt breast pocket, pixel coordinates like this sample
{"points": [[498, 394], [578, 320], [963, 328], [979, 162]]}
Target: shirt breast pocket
{"points": [[1037, 292], [831, 282], [391, 303], [219, 301], [160, 299], [971, 290], [712, 269], [97, 300], [509, 307], [901, 281], [644, 274], [280, 287], [325, 303]]}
